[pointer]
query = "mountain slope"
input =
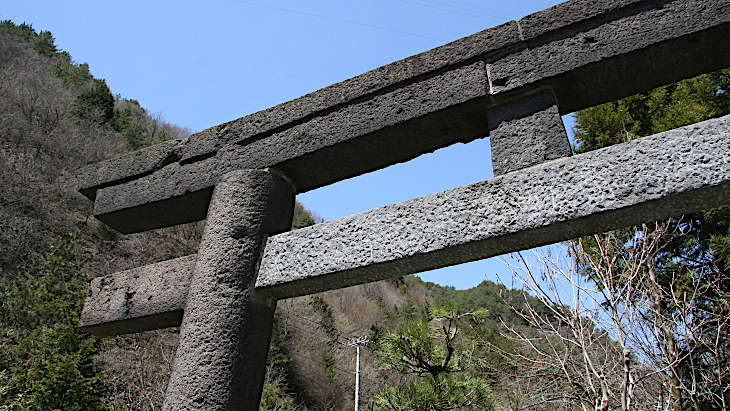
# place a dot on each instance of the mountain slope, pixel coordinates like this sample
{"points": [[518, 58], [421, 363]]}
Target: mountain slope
{"points": [[57, 118]]}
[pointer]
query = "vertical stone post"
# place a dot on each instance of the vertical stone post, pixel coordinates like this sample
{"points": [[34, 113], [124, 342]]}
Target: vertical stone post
{"points": [[526, 132], [226, 327]]}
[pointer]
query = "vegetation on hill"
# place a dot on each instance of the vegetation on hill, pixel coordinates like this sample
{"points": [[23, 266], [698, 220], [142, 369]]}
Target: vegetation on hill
{"points": [[57, 118], [47, 363], [431, 347]]}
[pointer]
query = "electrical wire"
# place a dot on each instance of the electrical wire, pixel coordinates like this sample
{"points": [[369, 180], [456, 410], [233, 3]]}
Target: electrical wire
{"points": [[348, 372], [446, 9], [464, 6], [312, 359], [337, 19], [318, 331]]}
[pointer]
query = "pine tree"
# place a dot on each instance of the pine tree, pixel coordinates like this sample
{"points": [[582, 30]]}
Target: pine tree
{"points": [[432, 345]]}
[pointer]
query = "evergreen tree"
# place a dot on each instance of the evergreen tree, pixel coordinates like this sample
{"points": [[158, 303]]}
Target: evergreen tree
{"points": [[46, 362], [302, 217], [95, 104], [130, 120], [43, 43], [434, 345]]}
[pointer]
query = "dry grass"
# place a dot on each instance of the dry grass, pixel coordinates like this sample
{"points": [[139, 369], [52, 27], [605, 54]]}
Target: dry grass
{"points": [[138, 368], [356, 310]]}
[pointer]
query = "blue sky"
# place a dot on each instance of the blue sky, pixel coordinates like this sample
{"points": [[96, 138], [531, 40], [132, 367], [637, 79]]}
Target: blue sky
{"points": [[201, 63]]}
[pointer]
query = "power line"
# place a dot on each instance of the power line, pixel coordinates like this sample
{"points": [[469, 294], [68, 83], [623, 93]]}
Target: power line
{"points": [[450, 9], [319, 361], [460, 5], [336, 339], [348, 334], [356, 330], [337, 19], [353, 342], [321, 333]]}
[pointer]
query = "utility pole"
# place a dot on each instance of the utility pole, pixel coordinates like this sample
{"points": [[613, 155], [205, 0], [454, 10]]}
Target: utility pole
{"points": [[357, 342]]}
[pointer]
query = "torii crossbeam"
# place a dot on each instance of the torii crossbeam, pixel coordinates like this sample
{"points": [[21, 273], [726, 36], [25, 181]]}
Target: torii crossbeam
{"points": [[511, 82]]}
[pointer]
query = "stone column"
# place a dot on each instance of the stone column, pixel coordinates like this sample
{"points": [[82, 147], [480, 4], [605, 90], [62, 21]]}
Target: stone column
{"points": [[226, 327], [526, 132]]}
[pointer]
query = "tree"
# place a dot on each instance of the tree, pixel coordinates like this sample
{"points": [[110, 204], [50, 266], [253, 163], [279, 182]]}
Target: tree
{"points": [[95, 104], [303, 217], [431, 346], [43, 42], [604, 344], [276, 394], [47, 363], [661, 109], [693, 269]]}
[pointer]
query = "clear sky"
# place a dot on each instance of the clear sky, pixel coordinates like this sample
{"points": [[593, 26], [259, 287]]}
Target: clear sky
{"points": [[201, 63]]}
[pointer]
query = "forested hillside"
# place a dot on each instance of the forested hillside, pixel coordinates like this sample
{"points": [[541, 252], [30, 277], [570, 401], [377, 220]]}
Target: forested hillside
{"points": [[564, 343], [57, 118]]}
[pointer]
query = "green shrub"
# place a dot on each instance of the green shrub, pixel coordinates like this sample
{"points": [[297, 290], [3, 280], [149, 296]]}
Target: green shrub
{"points": [[432, 348], [95, 104], [275, 398], [302, 217], [130, 121], [47, 363], [69, 73]]}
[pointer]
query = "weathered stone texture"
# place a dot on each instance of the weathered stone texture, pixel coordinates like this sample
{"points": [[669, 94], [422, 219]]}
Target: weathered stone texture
{"points": [[511, 82], [150, 297], [368, 85], [526, 132], [587, 52], [381, 122], [569, 13], [668, 174], [221, 357], [128, 166], [642, 28], [672, 173]]}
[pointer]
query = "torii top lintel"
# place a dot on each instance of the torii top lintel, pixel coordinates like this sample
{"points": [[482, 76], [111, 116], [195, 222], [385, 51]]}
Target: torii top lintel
{"points": [[583, 52]]}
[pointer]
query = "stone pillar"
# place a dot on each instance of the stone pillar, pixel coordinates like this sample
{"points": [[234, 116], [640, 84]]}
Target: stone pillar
{"points": [[226, 327], [526, 132]]}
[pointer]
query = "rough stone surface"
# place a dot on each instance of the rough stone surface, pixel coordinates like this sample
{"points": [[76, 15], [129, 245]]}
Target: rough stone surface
{"points": [[588, 52], [361, 137], [368, 85], [140, 299], [668, 174], [568, 14], [526, 132], [226, 327], [642, 27], [479, 45], [126, 167], [672, 173]]}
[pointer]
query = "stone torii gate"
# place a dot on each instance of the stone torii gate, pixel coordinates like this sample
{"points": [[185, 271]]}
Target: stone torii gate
{"points": [[511, 82]]}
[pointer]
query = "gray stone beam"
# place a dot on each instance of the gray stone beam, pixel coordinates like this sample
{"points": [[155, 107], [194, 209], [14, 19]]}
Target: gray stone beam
{"points": [[140, 299], [387, 120], [668, 174], [588, 52]]}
